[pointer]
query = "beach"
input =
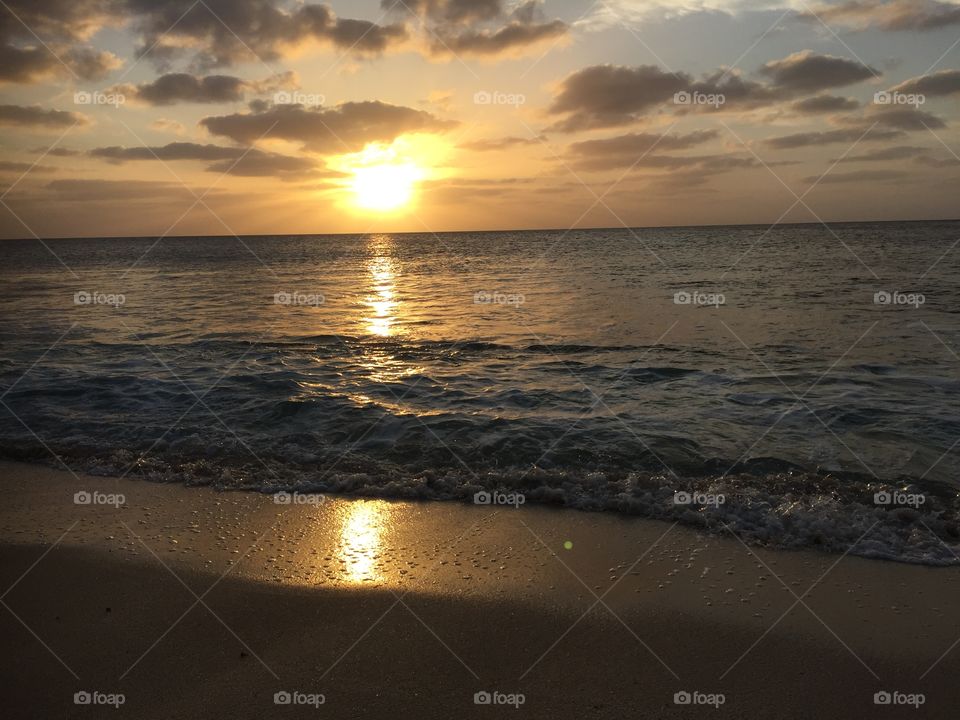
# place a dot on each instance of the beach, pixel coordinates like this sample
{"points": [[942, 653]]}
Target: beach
{"points": [[190, 602]]}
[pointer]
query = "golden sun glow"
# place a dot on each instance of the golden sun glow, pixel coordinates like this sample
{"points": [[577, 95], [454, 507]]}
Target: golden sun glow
{"points": [[385, 187], [385, 178]]}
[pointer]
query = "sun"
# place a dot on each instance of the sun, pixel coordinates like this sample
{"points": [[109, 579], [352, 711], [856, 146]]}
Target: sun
{"points": [[386, 186], [383, 178]]}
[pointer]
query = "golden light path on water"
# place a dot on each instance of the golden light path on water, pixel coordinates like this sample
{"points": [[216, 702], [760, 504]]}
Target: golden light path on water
{"points": [[381, 302]]}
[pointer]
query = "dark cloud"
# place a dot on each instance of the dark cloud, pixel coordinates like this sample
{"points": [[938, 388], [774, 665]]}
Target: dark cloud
{"points": [[63, 26], [898, 152], [611, 95], [625, 150], [903, 118], [480, 27], [829, 137], [857, 176], [891, 15], [248, 162], [226, 32], [824, 104], [809, 72], [22, 167], [37, 118], [499, 143], [183, 87], [344, 128], [939, 84], [603, 96]]}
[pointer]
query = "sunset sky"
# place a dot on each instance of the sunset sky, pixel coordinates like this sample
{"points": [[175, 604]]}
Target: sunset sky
{"points": [[220, 117]]}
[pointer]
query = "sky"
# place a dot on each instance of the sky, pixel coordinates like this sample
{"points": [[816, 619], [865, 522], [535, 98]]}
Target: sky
{"points": [[238, 117]]}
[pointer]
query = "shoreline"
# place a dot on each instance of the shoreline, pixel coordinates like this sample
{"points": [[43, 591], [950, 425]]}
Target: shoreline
{"points": [[427, 604]]}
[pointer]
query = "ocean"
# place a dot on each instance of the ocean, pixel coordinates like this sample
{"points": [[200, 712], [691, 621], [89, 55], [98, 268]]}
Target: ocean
{"points": [[799, 386]]}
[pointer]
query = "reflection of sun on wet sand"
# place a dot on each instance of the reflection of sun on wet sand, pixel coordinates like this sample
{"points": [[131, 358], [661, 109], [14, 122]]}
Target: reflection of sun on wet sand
{"points": [[360, 540], [397, 609]]}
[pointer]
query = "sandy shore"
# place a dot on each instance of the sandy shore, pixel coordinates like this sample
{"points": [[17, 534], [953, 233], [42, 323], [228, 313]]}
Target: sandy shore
{"points": [[395, 609]]}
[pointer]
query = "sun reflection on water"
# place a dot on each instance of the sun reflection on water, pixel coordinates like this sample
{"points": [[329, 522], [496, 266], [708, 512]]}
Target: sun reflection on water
{"points": [[382, 302]]}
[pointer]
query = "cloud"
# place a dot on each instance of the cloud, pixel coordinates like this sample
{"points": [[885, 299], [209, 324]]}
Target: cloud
{"points": [[610, 95], [603, 96], [625, 150], [248, 162], [165, 125], [183, 87], [344, 128], [76, 190], [890, 15], [809, 72], [903, 118], [221, 33], [857, 176], [824, 104], [898, 152], [63, 25], [22, 167], [499, 143], [37, 118], [939, 84], [481, 27], [829, 137]]}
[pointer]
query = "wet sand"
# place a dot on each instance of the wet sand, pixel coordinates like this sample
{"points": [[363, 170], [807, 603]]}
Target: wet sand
{"points": [[397, 609]]}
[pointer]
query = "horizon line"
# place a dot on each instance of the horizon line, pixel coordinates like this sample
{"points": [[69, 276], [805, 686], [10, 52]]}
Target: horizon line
{"points": [[470, 232]]}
